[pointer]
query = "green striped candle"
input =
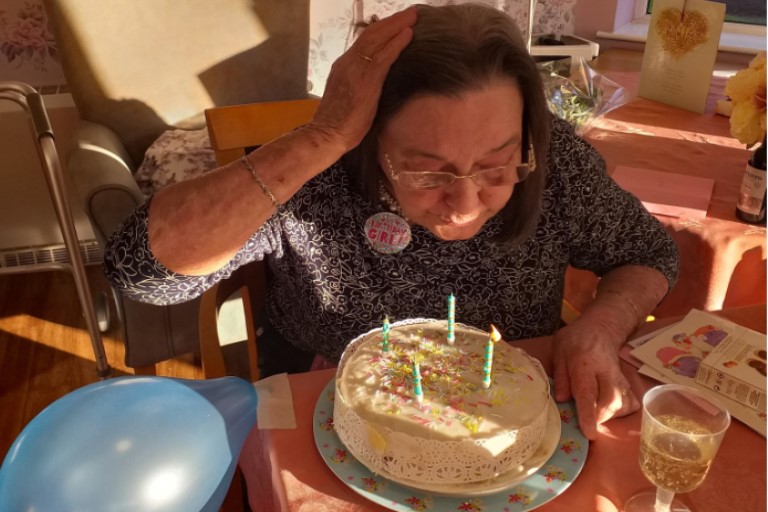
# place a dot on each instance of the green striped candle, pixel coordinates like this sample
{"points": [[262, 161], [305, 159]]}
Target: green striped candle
{"points": [[488, 361], [418, 393], [385, 335], [451, 319]]}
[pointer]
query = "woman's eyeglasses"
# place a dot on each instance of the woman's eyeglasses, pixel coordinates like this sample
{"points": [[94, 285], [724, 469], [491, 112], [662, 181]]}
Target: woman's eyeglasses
{"points": [[492, 177]]}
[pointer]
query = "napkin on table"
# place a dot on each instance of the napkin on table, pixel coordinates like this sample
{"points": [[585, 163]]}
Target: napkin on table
{"points": [[275, 409]]}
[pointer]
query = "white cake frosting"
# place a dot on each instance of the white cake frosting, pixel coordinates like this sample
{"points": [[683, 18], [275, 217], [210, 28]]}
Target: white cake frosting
{"points": [[460, 432]]}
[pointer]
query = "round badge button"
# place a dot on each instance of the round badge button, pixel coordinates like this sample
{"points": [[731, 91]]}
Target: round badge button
{"points": [[387, 233]]}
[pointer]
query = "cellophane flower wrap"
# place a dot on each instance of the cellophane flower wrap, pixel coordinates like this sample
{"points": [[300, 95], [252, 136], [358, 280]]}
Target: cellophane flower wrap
{"points": [[747, 92], [577, 93]]}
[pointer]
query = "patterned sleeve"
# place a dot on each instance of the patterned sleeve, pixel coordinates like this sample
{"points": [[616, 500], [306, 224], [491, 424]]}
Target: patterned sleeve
{"points": [[132, 268], [610, 227]]}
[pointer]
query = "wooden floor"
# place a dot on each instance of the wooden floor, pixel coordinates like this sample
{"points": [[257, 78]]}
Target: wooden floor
{"points": [[45, 350]]}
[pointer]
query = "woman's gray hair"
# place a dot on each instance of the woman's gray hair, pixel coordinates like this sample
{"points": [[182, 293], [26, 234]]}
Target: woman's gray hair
{"points": [[458, 48]]}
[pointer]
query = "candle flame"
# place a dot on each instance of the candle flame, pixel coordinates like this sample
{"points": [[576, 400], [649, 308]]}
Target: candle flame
{"points": [[495, 335]]}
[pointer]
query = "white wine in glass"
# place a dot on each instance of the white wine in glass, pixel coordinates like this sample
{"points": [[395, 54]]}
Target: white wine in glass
{"points": [[681, 432]]}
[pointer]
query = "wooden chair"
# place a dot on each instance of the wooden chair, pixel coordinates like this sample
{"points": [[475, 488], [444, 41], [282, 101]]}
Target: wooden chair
{"points": [[235, 130]]}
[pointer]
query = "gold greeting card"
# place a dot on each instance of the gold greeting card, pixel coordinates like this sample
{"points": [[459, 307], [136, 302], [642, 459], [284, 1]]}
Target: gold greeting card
{"points": [[680, 52]]}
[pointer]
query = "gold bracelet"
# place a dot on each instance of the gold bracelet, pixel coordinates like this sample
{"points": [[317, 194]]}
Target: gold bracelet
{"points": [[260, 183]]}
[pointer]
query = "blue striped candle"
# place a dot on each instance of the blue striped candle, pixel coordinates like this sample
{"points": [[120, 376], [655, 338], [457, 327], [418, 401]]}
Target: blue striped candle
{"points": [[488, 361], [451, 319], [418, 393], [385, 335]]}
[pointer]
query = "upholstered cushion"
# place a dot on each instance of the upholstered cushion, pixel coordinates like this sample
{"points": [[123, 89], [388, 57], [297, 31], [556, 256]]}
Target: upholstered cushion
{"points": [[175, 156]]}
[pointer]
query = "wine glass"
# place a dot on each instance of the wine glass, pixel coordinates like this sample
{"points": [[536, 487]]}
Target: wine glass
{"points": [[682, 430]]}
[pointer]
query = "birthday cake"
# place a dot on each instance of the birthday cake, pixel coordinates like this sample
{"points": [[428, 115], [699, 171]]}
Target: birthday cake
{"points": [[439, 424]]}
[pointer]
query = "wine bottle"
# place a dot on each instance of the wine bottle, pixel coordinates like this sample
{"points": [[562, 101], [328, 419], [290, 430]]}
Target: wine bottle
{"points": [[750, 206]]}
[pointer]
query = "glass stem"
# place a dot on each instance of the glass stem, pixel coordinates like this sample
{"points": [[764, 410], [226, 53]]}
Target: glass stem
{"points": [[663, 500]]}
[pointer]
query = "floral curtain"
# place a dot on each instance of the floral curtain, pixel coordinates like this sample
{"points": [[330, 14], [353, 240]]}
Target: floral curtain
{"points": [[332, 22]]}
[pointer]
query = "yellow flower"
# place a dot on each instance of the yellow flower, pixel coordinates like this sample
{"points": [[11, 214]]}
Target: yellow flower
{"points": [[747, 91]]}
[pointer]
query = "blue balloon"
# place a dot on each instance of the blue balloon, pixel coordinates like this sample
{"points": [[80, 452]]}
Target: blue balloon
{"points": [[128, 444]]}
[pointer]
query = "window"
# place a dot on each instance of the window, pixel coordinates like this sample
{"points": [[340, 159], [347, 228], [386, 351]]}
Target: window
{"points": [[749, 12], [743, 31]]}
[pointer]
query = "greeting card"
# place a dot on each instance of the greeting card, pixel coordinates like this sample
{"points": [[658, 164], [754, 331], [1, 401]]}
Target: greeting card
{"points": [[680, 52], [676, 354]]}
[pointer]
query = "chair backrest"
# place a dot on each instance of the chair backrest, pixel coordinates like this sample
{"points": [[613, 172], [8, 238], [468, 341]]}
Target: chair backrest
{"points": [[233, 130], [141, 68]]}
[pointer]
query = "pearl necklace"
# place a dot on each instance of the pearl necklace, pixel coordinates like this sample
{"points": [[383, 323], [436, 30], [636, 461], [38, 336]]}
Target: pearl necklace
{"points": [[391, 203]]}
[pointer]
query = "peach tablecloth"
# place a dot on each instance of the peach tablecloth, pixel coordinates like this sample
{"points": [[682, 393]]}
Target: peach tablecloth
{"points": [[284, 470], [723, 261]]}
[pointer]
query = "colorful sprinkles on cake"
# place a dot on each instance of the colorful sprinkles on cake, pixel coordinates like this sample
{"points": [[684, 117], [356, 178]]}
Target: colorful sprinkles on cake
{"points": [[447, 372]]}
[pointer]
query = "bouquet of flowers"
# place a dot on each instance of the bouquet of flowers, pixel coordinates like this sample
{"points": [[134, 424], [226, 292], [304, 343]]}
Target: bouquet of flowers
{"points": [[747, 92]]}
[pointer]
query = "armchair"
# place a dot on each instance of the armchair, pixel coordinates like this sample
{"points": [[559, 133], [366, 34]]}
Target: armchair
{"points": [[137, 69]]}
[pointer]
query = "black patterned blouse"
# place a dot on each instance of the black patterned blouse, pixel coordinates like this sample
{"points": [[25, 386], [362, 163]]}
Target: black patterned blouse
{"points": [[327, 285]]}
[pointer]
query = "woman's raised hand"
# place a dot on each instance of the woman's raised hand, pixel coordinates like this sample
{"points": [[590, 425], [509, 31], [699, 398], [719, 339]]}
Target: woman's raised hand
{"points": [[348, 106]]}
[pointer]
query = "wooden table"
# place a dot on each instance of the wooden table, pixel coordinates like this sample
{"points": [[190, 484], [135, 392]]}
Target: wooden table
{"points": [[284, 470], [723, 260]]}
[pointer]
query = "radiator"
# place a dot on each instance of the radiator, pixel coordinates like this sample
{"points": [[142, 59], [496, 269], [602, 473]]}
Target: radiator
{"points": [[29, 229], [27, 256]]}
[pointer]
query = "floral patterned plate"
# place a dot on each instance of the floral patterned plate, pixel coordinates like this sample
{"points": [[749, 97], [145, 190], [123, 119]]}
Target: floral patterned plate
{"points": [[552, 479]]}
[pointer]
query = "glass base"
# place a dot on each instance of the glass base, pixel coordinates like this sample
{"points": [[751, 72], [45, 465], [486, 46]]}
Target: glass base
{"points": [[646, 501]]}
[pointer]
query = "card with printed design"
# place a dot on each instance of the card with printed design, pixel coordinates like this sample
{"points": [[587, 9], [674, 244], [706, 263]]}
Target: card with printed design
{"points": [[685, 353], [680, 52]]}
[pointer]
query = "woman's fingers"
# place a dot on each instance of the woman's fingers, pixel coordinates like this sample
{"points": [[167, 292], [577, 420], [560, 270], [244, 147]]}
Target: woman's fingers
{"points": [[378, 35], [616, 398], [351, 97], [590, 373], [561, 378], [585, 392], [600, 396]]}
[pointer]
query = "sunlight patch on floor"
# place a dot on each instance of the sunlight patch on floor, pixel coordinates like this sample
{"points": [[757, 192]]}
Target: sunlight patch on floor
{"points": [[53, 335]]}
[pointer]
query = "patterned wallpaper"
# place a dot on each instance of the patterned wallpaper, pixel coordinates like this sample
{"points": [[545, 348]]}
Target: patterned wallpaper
{"points": [[331, 23], [27, 47]]}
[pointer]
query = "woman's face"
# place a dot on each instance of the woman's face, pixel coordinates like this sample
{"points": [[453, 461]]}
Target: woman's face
{"points": [[481, 129]]}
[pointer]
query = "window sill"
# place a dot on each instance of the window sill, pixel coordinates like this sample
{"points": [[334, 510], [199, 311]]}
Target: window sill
{"points": [[748, 40]]}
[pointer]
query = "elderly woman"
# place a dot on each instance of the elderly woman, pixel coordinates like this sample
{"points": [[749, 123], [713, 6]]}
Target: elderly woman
{"points": [[436, 114]]}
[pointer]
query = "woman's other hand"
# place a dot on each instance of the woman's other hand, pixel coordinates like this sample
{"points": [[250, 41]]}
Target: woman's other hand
{"points": [[348, 106], [586, 352], [586, 368]]}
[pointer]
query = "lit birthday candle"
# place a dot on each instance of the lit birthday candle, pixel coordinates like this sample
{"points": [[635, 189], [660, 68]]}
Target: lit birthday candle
{"points": [[451, 318], [385, 335], [488, 362], [418, 393]]}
